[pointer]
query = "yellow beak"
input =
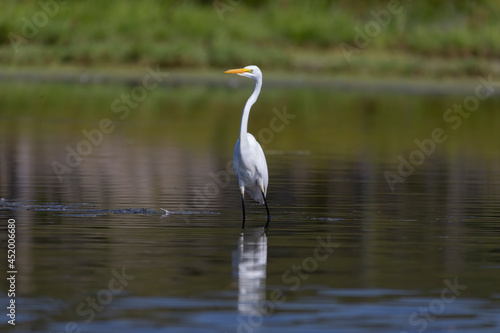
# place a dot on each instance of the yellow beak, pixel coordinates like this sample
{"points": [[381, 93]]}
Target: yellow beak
{"points": [[238, 71]]}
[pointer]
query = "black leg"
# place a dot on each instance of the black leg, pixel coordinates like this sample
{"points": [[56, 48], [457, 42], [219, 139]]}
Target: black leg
{"points": [[267, 208], [243, 206]]}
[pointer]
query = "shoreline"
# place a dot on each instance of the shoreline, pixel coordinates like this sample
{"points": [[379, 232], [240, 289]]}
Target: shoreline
{"points": [[276, 80]]}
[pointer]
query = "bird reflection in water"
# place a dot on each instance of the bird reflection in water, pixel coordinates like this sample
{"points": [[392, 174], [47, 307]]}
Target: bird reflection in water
{"points": [[249, 267]]}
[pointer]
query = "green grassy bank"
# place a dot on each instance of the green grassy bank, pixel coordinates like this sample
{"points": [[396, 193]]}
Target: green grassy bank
{"points": [[371, 38]]}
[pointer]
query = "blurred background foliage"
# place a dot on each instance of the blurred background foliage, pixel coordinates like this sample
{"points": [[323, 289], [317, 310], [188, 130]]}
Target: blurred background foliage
{"points": [[427, 38]]}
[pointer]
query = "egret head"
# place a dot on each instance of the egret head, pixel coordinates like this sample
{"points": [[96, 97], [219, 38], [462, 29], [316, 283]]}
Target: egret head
{"points": [[251, 71]]}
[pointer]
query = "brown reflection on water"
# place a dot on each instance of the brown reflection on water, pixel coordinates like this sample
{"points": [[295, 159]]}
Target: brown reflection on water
{"points": [[125, 170], [439, 222]]}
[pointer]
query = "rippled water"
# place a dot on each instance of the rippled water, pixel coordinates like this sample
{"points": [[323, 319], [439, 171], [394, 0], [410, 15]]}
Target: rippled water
{"points": [[97, 252]]}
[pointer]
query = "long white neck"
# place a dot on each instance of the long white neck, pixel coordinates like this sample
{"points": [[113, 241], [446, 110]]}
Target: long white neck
{"points": [[246, 110]]}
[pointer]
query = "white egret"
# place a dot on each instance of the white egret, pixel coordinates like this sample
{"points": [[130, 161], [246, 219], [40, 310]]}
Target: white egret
{"points": [[249, 161]]}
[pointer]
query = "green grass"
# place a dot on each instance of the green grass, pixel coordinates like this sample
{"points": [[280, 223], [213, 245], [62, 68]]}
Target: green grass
{"points": [[427, 38]]}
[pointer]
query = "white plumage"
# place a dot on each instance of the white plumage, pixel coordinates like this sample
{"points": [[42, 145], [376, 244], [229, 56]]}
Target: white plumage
{"points": [[250, 168], [249, 161]]}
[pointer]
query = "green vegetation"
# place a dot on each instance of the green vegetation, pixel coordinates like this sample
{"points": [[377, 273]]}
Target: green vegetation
{"points": [[415, 38]]}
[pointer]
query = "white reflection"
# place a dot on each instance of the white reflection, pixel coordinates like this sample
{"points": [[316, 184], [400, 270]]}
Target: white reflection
{"points": [[249, 266]]}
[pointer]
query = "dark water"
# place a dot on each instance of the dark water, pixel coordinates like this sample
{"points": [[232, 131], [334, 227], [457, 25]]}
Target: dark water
{"points": [[345, 252]]}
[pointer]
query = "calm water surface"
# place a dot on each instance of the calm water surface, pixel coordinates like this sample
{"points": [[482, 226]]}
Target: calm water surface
{"points": [[344, 252]]}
